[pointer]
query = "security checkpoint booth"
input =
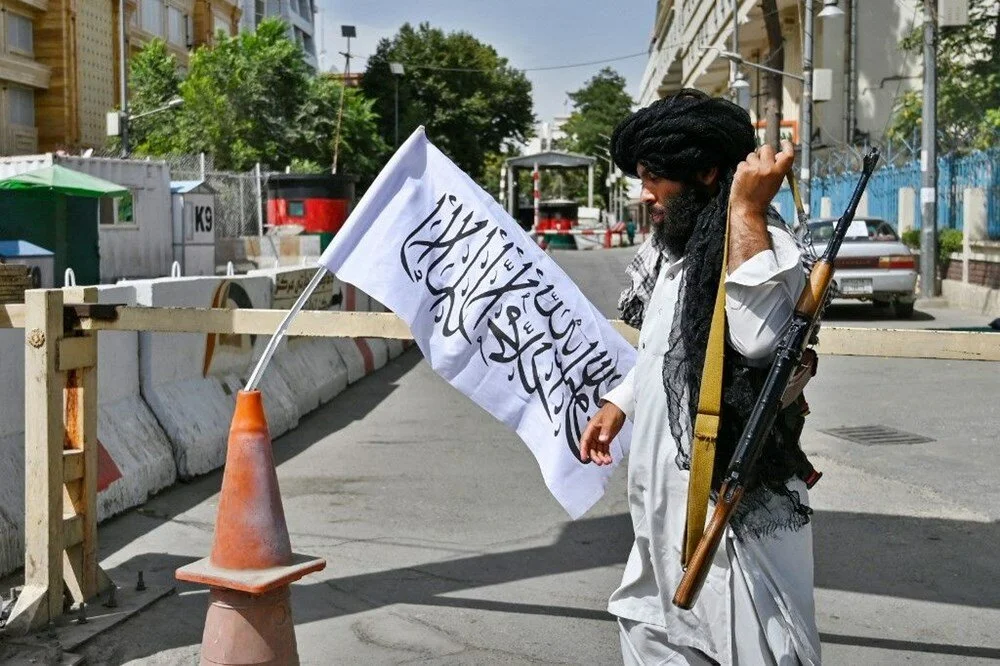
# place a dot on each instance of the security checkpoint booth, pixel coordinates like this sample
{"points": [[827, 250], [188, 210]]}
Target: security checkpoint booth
{"points": [[193, 204], [509, 195]]}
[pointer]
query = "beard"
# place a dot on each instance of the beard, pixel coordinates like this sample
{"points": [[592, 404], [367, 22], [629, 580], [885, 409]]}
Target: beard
{"points": [[674, 223]]}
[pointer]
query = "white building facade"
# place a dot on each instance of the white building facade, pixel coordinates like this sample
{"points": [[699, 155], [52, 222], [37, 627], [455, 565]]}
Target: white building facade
{"points": [[688, 36]]}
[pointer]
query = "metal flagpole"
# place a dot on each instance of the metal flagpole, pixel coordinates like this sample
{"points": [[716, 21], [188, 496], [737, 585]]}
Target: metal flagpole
{"points": [[272, 344]]}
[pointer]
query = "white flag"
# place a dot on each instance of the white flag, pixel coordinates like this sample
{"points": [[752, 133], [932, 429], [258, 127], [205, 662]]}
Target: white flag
{"points": [[491, 312]]}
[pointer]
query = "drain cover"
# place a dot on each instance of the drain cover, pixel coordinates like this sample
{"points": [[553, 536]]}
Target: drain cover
{"points": [[873, 435]]}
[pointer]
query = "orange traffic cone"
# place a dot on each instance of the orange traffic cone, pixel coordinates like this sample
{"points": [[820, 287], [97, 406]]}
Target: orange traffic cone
{"points": [[249, 619]]}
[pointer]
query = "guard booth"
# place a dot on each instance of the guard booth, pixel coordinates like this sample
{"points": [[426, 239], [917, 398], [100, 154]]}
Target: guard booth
{"points": [[193, 206]]}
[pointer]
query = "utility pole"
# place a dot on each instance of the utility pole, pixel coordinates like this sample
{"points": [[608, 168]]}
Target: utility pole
{"points": [[123, 78], [805, 174], [776, 62], [347, 31], [928, 158]]}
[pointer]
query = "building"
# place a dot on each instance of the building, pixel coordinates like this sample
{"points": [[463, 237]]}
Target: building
{"points": [[688, 35], [298, 14], [59, 62]]}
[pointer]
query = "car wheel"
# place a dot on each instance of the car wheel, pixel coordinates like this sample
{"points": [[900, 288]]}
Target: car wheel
{"points": [[879, 303], [903, 310]]}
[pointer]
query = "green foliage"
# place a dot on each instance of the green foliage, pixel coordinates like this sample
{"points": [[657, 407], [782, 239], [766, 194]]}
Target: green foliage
{"points": [[968, 70], [362, 151], [598, 107], [467, 114], [949, 241], [911, 238], [153, 81], [251, 98], [306, 166], [241, 97]]}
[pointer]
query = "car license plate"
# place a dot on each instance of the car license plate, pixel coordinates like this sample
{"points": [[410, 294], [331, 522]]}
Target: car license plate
{"points": [[855, 286]]}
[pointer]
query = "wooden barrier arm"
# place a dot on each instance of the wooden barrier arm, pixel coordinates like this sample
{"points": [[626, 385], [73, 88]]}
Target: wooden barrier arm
{"points": [[834, 340]]}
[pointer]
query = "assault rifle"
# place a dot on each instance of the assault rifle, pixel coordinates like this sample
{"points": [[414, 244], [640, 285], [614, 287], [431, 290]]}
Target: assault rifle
{"points": [[790, 349]]}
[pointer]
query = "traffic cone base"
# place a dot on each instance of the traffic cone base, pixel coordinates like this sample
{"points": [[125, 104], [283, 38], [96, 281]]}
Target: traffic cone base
{"points": [[251, 564], [249, 629]]}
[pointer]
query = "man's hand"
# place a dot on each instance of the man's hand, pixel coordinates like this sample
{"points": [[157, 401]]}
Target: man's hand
{"points": [[595, 443], [759, 177]]}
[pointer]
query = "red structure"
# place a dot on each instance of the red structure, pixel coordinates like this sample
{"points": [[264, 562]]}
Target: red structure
{"points": [[319, 203]]}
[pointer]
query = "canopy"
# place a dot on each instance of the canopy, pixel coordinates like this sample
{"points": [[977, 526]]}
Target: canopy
{"points": [[64, 181]]}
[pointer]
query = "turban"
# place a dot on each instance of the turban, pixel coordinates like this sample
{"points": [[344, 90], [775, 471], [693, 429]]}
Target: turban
{"points": [[678, 136]]}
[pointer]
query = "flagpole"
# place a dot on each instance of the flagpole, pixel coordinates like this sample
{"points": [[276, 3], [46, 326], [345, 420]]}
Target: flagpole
{"points": [[272, 344]]}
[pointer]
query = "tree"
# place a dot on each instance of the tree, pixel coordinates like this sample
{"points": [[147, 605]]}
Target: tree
{"points": [[468, 98], [152, 81], [362, 150], [598, 107], [242, 96], [248, 99], [968, 95]]}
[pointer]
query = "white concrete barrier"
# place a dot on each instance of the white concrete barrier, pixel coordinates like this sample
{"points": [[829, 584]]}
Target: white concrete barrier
{"points": [[11, 450], [190, 380], [135, 456], [312, 368]]}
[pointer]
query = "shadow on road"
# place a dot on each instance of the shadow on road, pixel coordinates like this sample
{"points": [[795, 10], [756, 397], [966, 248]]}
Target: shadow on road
{"points": [[938, 560], [866, 312], [362, 398]]}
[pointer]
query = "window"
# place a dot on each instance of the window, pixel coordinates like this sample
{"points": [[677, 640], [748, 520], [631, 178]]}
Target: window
{"points": [[220, 24], [304, 9], [19, 34], [120, 210], [307, 44], [259, 12], [152, 17], [21, 106], [176, 27]]}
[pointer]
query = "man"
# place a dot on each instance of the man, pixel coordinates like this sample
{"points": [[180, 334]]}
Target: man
{"points": [[630, 231], [697, 159]]}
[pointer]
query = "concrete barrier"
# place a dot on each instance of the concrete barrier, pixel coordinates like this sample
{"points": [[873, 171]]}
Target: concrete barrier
{"points": [[190, 380], [135, 459], [312, 367], [135, 456], [11, 450]]}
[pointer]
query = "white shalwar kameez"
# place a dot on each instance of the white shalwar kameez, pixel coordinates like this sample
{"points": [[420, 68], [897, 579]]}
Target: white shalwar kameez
{"points": [[757, 603]]}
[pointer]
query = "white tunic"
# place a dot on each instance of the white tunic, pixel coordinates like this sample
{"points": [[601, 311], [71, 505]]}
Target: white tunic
{"points": [[774, 573]]}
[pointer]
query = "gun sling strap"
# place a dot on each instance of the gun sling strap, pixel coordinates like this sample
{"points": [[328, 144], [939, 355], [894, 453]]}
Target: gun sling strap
{"points": [[706, 424]]}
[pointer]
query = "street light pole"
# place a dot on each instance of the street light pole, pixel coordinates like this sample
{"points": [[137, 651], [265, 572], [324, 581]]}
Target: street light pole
{"points": [[397, 71], [805, 175], [123, 78], [928, 158]]}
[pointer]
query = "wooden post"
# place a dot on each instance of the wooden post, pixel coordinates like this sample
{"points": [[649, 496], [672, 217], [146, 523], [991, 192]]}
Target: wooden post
{"points": [[78, 359], [60, 461], [41, 600]]}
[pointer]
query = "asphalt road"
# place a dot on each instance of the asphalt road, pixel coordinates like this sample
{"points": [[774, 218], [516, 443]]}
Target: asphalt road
{"points": [[444, 547]]}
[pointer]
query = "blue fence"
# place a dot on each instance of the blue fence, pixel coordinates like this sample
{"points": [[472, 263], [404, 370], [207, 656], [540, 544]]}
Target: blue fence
{"points": [[981, 169]]}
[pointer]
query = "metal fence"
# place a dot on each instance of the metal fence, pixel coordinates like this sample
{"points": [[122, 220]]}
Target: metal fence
{"points": [[955, 174]]}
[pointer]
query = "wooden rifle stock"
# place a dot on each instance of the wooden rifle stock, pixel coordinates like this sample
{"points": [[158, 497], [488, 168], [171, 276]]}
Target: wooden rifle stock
{"points": [[697, 569]]}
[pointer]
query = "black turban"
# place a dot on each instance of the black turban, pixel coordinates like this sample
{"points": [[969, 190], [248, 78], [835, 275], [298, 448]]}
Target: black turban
{"points": [[678, 136]]}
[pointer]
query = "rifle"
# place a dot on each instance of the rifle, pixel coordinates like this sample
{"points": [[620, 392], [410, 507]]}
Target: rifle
{"points": [[790, 349]]}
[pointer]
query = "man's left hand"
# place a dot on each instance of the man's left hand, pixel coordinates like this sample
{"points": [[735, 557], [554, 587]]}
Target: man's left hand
{"points": [[758, 178]]}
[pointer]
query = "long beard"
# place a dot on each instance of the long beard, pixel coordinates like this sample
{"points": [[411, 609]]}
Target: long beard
{"points": [[680, 216]]}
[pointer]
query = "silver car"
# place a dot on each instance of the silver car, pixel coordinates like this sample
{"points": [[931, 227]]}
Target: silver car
{"points": [[873, 265]]}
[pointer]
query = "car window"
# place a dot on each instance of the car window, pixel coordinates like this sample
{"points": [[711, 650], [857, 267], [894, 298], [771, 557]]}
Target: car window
{"points": [[877, 230], [821, 232]]}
